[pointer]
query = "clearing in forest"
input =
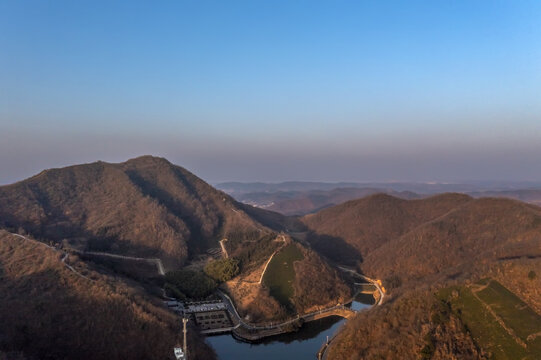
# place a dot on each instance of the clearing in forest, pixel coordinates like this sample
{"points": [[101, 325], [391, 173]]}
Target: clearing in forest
{"points": [[280, 274], [497, 319]]}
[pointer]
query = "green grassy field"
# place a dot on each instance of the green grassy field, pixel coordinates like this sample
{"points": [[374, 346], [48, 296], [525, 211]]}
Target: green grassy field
{"points": [[280, 274], [514, 312], [485, 329]]}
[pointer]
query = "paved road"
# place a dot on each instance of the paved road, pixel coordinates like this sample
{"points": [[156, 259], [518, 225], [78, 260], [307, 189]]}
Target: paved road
{"points": [[65, 255], [156, 261], [372, 281], [322, 353], [233, 310]]}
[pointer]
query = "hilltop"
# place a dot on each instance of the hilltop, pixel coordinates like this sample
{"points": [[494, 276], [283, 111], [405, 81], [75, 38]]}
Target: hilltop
{"points": [[476, 233], [143, 207]]}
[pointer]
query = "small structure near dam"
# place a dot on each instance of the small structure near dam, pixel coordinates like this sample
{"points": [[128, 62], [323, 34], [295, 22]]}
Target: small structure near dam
{"points": [[210, 317]]}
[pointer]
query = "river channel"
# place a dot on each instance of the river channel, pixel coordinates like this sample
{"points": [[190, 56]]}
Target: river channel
{"points": [[300, 345]]}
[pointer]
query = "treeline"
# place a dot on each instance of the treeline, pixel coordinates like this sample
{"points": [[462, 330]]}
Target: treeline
{"points": [[223, 269], [188, 284]]}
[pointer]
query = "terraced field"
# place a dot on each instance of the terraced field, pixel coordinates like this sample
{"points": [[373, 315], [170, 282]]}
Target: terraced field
{"points": [[497, 319], [516, 314], [280, 274]]}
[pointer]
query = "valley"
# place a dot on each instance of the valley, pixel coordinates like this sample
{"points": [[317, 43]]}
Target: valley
{"points": [[270, 180], [163, 235]]}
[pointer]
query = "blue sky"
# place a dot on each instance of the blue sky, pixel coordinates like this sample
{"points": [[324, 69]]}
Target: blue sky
{"points": [[275, 90]]}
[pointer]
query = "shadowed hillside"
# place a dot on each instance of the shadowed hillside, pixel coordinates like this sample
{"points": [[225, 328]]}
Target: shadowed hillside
{"points": [[148, 207], [416, 238], [478, 232], [356, 228], [145, 207], [50, 312]]}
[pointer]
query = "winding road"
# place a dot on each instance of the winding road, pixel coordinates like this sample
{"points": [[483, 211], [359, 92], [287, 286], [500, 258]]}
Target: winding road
{"points": [[366, 278], [340, 310], [65, 255]]}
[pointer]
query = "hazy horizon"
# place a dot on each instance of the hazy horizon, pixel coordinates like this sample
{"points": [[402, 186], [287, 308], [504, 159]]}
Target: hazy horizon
{"points": [[241, 91]]}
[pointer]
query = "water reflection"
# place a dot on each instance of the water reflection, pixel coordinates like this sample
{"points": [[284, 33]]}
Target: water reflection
{"points": [[300, 345], [308, 331], [362, 301]]}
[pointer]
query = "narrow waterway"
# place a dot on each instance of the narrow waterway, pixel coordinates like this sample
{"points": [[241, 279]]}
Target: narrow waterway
{"points": [[300, 345]]}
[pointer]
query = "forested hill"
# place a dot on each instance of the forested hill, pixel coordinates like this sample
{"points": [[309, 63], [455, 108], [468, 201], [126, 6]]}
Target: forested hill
{"points": [[53, 308], [453, 267], [352, 230], [416, 238], [145, 207]]}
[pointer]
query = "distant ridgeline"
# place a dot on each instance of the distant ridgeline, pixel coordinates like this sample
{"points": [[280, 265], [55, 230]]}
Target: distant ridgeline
{"points": [[430, 253], [133, 218]]}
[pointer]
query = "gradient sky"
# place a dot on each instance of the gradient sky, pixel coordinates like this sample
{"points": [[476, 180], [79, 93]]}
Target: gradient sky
{"points": [[275, 90]]}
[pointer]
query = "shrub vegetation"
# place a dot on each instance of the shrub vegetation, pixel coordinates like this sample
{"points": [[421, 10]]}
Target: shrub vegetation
{"points": [[222, 270], [193, 284]]}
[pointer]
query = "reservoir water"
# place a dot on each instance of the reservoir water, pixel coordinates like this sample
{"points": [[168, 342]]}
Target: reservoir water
{"points": [[300, 345]]}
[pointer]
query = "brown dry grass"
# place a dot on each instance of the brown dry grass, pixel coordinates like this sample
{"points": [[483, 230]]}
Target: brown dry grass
{"points": [[252, 300]]}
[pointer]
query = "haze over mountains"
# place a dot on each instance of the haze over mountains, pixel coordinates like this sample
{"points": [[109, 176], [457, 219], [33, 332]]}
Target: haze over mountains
{"points": [[300, 198], [148, 207], [145, 208], [390, 152]]}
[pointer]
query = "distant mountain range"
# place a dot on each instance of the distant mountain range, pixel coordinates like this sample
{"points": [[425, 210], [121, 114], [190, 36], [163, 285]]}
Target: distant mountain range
{"points": [[418, 187], [300, 198], [414, 241]]}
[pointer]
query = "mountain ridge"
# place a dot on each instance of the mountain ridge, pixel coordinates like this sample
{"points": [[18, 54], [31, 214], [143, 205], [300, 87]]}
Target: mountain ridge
{"points": [[142, 206]]}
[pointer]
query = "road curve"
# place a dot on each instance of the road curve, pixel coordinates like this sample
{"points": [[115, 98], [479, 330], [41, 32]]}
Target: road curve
{"points": [[372, 281], [65, 255]]}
